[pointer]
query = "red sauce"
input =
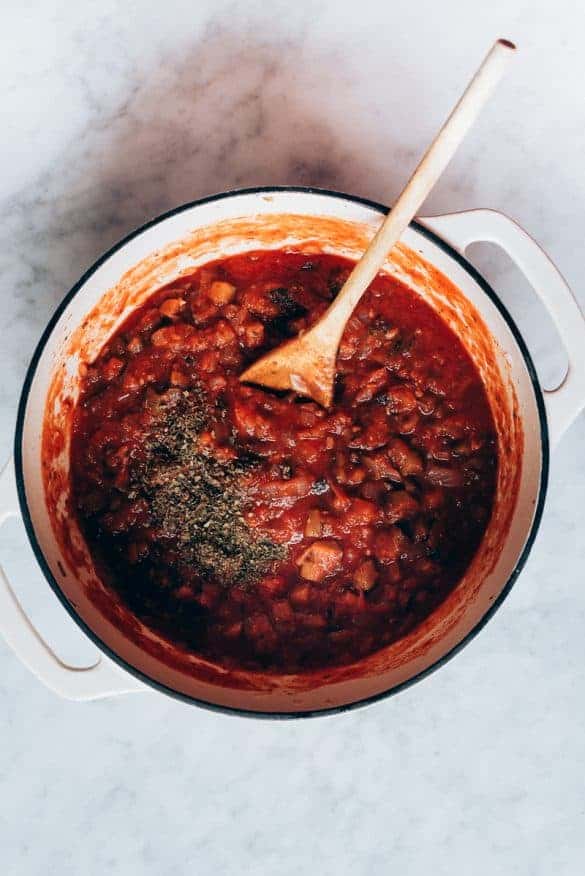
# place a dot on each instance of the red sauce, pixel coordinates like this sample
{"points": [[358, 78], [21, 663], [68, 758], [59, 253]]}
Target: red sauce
{"points": [[366, 515]]}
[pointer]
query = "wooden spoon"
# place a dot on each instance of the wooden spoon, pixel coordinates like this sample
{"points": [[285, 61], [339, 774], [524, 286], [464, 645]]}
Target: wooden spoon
{"points": [[306, 364]]}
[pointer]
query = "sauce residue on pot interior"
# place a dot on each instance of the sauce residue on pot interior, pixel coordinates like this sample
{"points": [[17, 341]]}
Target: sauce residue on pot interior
{"points": [[258, 529]]}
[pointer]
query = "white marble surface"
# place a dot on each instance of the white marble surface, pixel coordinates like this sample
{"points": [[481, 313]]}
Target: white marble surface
{"points": [[115, 111]]}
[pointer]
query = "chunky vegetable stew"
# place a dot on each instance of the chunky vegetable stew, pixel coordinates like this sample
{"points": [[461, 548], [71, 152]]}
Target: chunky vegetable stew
{"points": [[256, 528]]}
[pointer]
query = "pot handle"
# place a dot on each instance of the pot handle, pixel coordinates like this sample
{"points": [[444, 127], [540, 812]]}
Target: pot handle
{"points": [[103, 679], [564, 403]]}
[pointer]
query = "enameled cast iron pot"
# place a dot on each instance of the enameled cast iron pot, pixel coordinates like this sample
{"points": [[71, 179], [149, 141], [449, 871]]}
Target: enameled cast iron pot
{"points": [[430, 259]]}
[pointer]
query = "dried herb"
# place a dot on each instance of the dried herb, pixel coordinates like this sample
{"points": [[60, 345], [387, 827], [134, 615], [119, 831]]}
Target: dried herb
{"points": [[198, 500]]}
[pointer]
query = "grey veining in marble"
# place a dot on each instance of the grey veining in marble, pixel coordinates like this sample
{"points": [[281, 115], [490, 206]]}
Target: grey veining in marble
{"points": [[116, 111]]}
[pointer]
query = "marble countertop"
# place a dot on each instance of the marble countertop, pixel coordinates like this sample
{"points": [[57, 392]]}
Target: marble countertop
{"points": [[114, 112]]}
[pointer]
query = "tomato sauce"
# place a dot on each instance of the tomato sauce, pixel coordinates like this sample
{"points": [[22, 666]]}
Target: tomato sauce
{"points": [[256, 528]]}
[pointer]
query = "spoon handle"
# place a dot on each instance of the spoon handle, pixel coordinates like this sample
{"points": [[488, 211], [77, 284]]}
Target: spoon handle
{"points": [[428, 171]]}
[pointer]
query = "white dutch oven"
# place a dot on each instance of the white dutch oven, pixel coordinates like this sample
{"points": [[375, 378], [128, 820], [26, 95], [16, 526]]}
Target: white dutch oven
{"points": [[430, 259]]}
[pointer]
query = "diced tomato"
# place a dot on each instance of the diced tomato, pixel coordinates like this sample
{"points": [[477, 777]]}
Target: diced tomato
{"points": [[256, 528]]}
